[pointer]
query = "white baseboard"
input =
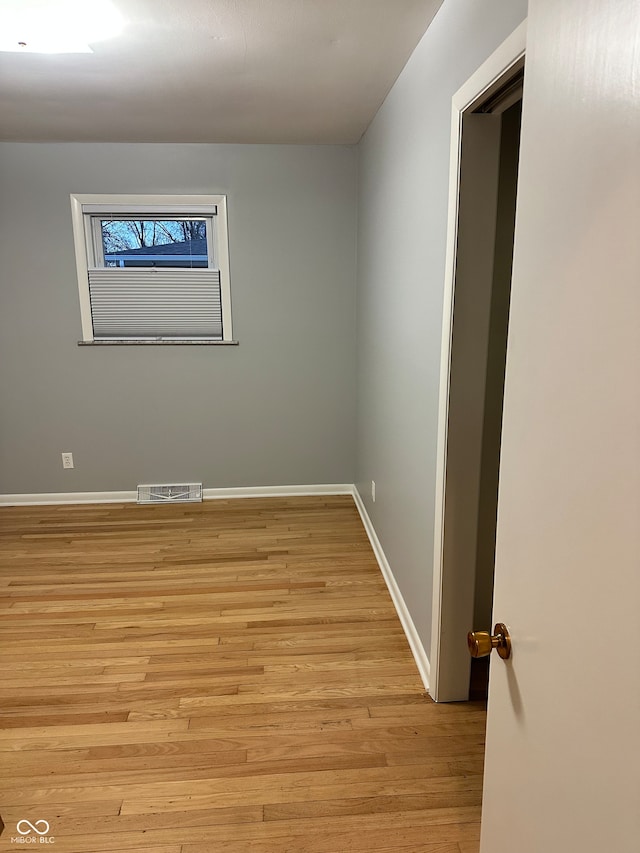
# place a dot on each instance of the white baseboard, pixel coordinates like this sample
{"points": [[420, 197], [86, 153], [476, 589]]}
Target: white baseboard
{"points": [[47, 498], [418, 650], [279, 491]]}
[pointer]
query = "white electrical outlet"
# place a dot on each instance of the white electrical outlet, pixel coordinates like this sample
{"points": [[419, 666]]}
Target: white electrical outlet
{"points": [[67, 460], [373, 491]]}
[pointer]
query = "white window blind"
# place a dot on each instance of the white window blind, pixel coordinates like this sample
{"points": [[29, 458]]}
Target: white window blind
{"points": [[148, 303]]}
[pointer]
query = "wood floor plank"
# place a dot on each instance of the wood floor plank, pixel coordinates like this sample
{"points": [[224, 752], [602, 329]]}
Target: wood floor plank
{"points": [[444, 827], [345, 785], [228, 676], [174, 848]]}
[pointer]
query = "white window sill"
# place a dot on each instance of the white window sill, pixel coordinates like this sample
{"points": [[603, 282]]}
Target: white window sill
{"points": [[137, 343]]}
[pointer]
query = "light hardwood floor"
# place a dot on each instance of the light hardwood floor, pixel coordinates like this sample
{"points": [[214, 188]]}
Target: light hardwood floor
{"points": [[226, 677]]}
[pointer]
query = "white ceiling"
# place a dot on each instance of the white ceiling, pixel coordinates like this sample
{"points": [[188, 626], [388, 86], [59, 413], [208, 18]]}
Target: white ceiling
{"points": [[299, 71]]}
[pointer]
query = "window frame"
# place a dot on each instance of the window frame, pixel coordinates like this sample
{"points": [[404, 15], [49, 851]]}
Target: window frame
{"points": [[183, 206]]}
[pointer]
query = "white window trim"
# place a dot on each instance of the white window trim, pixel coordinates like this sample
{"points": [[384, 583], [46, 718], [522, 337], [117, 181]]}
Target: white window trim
{"points": [[196, 204]]}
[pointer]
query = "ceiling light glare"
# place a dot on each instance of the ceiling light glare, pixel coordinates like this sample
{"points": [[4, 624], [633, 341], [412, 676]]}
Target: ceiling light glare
{"points": [[56, 26]]}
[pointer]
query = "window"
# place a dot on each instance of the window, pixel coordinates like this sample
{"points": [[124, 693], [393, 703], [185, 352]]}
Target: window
{"points": [[152, 269]]}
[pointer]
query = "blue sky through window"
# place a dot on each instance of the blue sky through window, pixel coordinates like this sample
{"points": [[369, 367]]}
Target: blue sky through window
{"points": [[154, 242]]}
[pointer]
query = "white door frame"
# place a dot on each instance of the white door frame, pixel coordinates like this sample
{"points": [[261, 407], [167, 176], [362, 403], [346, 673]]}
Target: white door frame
{"points": [[477, 86]]}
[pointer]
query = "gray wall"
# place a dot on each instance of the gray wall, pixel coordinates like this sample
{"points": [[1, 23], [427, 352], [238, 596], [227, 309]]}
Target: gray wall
{"points": [[278, 409], [403, 194]]}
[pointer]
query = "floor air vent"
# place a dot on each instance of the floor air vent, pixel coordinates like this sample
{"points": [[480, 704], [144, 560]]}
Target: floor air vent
{"points": [[172, 492]]}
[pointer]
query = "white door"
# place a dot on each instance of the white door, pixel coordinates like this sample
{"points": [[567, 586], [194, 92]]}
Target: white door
{"points": [[563, 738]]}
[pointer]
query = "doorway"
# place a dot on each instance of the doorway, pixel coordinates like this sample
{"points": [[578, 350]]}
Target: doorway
{"points": [[486, 137], [496, 353]]}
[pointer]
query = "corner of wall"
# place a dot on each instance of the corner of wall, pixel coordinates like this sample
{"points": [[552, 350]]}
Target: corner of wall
{"points": [[413, 638]]}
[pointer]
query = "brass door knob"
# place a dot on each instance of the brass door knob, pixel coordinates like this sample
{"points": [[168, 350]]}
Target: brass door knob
{"points": [[481, 642]]}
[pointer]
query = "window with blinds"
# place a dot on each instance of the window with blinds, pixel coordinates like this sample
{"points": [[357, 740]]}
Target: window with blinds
{"points": [[152, 268]]}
